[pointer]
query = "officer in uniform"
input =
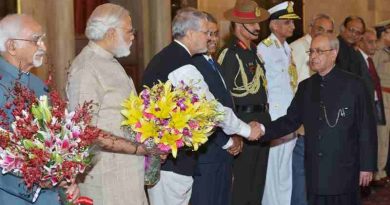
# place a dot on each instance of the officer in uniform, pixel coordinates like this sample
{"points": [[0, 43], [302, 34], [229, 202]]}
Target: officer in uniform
{"points": [[282, 83], [244, 75], [382, 64]]}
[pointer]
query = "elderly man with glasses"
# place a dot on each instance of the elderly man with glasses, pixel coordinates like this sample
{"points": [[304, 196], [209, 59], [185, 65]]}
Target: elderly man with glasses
{"points": [[22, 48], [320, 24], [340, 132]]}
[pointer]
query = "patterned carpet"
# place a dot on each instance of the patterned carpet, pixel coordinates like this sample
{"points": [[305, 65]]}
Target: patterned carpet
{"points": [[378, 196]]}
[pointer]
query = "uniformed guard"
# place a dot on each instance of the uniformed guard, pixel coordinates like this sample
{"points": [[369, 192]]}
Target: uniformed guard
{"points": [[282, 82], [245, 77], [382, 64]]}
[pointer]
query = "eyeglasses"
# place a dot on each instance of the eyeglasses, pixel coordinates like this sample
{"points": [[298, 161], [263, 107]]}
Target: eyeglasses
{"points": [[321, 29], [355, 31], [213, 34], [37, 40], [207, 33], [317, 51]]}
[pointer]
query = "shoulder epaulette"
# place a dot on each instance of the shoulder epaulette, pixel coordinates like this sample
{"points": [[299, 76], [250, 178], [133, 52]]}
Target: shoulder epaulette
{"points": [[267, 42]]}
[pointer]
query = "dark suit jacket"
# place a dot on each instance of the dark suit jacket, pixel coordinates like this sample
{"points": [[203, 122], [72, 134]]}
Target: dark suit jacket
{"points": [[162, 64], [212, 151], [340, 131], [349, 59]]}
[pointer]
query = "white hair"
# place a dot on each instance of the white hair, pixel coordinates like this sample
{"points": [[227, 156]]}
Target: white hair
{"points": [[11, 26], [104, 17], [186, 19]]}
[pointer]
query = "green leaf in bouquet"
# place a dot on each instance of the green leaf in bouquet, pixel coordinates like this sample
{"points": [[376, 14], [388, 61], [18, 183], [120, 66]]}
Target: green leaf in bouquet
{"points": [[40, 136], [39, 144], [36, 112], [88, 160], [58, 158], [28, 144]]}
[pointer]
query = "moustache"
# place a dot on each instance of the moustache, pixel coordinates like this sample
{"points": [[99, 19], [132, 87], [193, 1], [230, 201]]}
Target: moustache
{"points": [[40, 52]]}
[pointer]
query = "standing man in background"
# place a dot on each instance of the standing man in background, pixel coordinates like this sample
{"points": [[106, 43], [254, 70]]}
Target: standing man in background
{"points": [[382, 64], [282, 83]]}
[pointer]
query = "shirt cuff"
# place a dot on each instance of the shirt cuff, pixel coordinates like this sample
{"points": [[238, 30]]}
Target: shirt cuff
{"points": [[228, 144], [36, 194], [245, 130], [262, 128]]}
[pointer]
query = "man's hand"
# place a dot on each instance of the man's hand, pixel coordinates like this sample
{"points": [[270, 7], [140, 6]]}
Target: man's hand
{"points": [[365, 178], [72, 190], [256, 131], [236, 148]]}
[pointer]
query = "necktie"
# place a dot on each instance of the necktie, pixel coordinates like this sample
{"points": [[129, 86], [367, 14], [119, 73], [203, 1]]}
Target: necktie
{"points": [[374, 76], [212, 63]]}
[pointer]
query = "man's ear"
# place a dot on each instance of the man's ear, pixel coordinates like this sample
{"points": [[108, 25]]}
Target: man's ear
{"points": [[110, 34], [10, 47]]}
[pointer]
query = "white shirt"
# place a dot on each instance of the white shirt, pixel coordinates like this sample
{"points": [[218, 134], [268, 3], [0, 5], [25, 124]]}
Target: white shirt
{"points": [[301, 58], [190, 75], [277, 59]]}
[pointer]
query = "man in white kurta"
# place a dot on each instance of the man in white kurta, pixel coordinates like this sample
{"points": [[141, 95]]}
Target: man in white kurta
{"points": [[282, 81], [320, 24], [115, 179]]}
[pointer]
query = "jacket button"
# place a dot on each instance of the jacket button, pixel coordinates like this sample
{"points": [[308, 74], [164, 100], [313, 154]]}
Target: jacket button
{"points": [[319, 118], [320, 154], [319, 137]]}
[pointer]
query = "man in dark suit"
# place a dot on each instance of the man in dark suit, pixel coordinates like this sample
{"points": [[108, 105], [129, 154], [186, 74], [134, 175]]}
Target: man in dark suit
{"points": [[340, 131], [367, 49], [213, 173], [174, 63], [348, 58]]}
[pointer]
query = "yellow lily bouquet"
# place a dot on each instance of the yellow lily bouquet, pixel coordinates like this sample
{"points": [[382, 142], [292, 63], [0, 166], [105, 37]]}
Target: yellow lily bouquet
{"points": [[169, 118]]}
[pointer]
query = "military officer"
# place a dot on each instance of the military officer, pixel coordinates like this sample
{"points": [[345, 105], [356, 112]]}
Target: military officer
{"points": [[282, 83], [245, 77]]}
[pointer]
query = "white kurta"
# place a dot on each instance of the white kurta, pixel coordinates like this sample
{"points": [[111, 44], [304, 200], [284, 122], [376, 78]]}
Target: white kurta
{"points": [[277, 59], [115, 179]]}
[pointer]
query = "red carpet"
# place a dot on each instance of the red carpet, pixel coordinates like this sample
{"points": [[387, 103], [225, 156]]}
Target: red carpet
{"points": [[379, 196]]}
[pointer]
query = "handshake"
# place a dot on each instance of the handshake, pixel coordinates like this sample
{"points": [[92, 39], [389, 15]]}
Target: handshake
{"points": [[257, 131]]}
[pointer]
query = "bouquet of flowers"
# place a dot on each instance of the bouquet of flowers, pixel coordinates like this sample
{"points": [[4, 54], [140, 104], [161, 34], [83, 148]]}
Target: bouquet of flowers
{"points": [[44, 144], [168, 118]]}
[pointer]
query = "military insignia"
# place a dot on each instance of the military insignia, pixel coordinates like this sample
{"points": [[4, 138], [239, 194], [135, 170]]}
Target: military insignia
{"points": [[267, 42], [290, 8], [277, 44], [257, 12]]}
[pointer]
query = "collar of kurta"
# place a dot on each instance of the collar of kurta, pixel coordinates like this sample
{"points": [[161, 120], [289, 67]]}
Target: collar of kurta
{"points": [[100, 51], [308, 38], [329, 75], [11, 70]]}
